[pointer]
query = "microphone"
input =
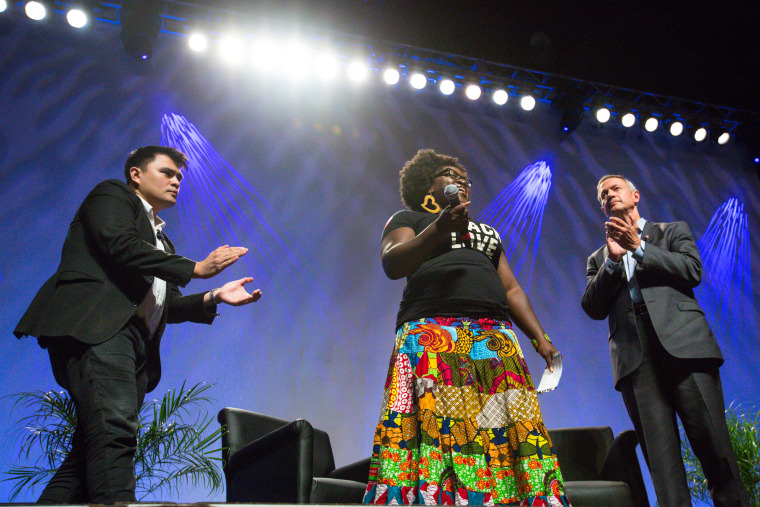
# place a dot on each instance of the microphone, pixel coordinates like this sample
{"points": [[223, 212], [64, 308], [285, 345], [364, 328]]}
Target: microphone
{"points": [[452, 194]]}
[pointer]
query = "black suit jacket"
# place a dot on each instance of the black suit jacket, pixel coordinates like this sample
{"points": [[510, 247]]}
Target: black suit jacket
{"points": [[108, 262], [670, 269]]}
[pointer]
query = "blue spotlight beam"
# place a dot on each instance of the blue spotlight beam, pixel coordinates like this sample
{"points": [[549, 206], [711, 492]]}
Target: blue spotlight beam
{"points": [[219, 203], [518, 212], [726, 292]]}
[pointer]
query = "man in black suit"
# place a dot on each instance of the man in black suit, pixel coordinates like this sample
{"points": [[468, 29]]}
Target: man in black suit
{"points": [[665, 358], [102, 314]]}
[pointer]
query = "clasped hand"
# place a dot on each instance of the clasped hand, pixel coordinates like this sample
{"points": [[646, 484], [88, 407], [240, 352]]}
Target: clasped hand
{"points": [[454, 219], [622, 236]]}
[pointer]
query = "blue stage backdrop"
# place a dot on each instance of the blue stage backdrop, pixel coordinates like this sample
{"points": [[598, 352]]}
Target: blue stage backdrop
{"points": [[306, 176]]}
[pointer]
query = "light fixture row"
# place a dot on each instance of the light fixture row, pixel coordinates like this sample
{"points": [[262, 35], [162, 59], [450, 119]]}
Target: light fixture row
{"points": [[78, 14], [296, 59], [675, 126]]}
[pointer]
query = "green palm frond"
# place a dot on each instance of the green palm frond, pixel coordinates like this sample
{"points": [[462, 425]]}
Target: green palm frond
{"points": [[176, 443]]}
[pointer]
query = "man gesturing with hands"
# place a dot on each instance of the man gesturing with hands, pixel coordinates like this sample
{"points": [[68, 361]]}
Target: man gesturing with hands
{"points": [[102, 314], [665, 358]]}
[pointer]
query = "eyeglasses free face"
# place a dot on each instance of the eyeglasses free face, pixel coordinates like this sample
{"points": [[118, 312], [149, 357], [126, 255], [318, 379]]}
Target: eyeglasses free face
{"points": [[455, 176]]}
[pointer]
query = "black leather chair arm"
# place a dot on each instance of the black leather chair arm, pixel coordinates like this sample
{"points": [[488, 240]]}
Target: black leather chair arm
{"points": [[264, 469], [358, 471]]}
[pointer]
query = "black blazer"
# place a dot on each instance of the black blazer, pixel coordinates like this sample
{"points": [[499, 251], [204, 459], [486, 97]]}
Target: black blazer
{"points": [[667, 275], [108, 262]]}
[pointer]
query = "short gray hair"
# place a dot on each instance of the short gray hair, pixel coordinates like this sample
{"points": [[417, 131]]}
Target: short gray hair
{"points": [[630, 184]]}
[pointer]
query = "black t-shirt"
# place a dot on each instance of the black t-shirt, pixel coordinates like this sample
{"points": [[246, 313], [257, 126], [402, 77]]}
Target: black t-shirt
{"points": [[458, 280]]}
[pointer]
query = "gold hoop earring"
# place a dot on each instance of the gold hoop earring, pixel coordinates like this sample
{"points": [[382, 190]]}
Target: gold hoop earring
{"points": [[430, 205]]}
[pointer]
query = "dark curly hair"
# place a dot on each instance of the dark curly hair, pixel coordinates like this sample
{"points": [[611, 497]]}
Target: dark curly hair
{"points": [[418, 173]]}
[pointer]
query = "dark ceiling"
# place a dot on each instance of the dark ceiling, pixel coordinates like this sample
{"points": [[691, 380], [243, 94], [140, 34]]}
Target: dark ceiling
{"points": [[701, 51]]}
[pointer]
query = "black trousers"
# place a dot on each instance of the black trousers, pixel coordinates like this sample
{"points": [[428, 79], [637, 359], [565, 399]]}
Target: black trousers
{"points": [[662, 387], [107, 383]]}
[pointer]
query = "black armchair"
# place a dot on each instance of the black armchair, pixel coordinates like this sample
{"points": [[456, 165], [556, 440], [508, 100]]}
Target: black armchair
{"points": [[599, 470], [271, 460]]}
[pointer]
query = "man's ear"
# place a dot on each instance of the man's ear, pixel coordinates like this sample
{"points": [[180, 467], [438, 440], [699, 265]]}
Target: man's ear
{"points": [[636, 196], [134, 176]]}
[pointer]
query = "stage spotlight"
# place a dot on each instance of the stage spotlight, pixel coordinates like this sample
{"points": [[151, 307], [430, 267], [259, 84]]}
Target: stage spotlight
{"points": [[628, 120], [500, 96], [723, 138], [473, 91], [327, 66], [357, 71], [418, 80], [231, 49], [3, 5], [700, 134], [78, 16], [446, 85], [676, 128], [197, 42], [391, 76], [263, 55], [140, 25], [295, 60], [36, 10], [651, 124], [527, 102], [603, 115]]}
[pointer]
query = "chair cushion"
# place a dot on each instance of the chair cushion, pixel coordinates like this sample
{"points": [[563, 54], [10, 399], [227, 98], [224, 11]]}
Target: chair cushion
{"points": [[325, 490], [599, 494]]}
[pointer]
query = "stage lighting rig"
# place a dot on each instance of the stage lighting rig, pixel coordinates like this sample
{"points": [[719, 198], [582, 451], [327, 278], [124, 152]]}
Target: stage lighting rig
{"points": [[3, 5], [140, 25]]}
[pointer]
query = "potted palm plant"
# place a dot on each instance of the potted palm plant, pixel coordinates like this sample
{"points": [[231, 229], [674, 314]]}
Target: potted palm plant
{"points": [[175, 444]]}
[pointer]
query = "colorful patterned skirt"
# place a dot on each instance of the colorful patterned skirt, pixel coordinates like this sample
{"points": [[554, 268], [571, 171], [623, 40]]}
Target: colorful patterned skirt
{"points": [[460, 422]]}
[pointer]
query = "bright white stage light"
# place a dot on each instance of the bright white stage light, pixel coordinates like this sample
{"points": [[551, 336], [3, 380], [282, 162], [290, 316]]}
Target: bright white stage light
{"points": [[527, 102], [327, 66], [231, 49], [628, 120], [391, 76], [700, 134], [676, 128], [295, 60], [723, 138], [500, 97], [357, 71], [197, 42], [651, 124], [603, 115], [35, 10], [446, 86], [473, 92], [3, 5], [263, 55], [418, 80], [77, 18]]}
